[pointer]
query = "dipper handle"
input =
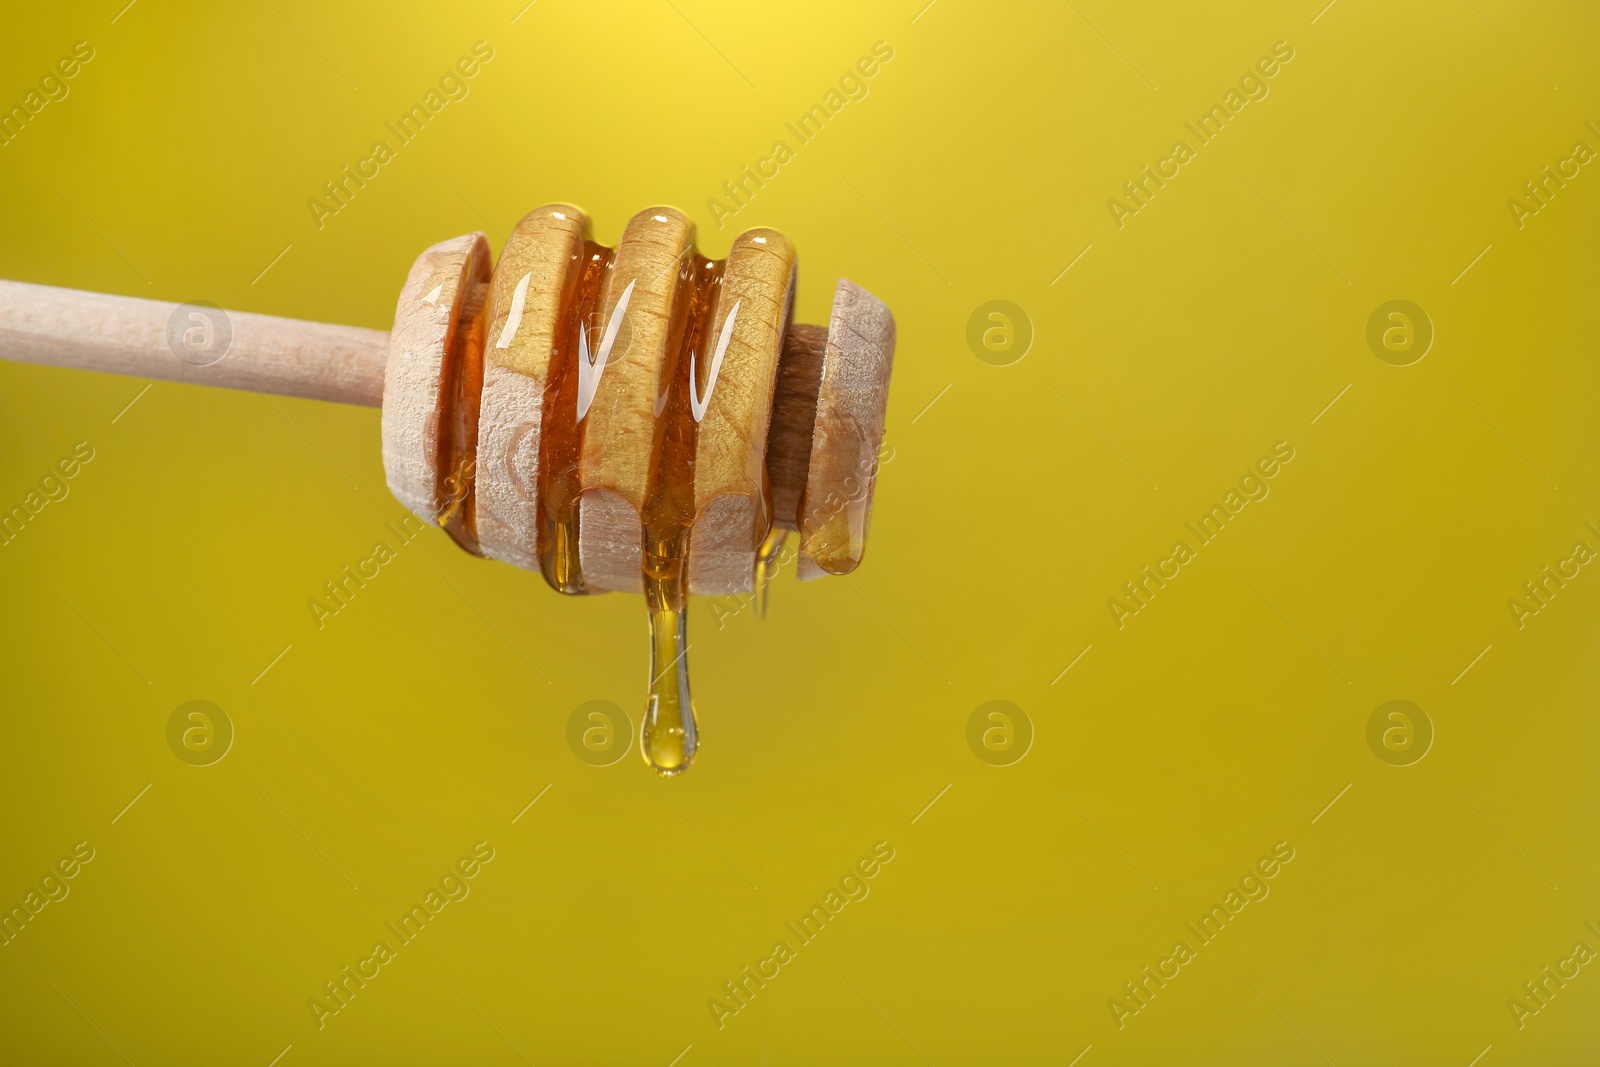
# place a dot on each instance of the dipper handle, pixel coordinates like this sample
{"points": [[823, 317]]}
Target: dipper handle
{"points": [[191, 343]]}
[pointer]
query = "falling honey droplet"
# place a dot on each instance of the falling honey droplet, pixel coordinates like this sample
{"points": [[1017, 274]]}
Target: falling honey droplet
{"points": [[669, 736], [559, 559]]}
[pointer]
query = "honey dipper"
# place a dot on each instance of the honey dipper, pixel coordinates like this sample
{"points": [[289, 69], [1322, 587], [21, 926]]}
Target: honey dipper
{"points": [[635, 419]]}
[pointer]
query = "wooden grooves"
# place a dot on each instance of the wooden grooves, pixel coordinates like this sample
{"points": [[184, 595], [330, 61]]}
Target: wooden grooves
{"points": [[794, 413], [606, 472], [429, 394], [732, 496], [619, 440], [538, 270]]}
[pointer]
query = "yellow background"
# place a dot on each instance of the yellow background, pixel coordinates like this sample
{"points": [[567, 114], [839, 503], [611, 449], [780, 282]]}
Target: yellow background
{"points": [[1225, 717]]}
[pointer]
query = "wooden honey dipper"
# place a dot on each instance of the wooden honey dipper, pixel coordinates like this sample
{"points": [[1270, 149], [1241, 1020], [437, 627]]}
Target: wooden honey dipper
{"points": [[637, 419]]}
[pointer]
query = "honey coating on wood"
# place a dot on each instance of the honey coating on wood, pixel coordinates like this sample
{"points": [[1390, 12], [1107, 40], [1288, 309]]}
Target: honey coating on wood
{"points": [[423, 395], [528, 294], [458, 434], [735, 380], [561, 443], [626, 395]]}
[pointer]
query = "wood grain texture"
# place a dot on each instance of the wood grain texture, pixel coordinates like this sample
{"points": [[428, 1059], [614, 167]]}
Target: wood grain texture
{"points": [[842, 473], [128, 335], [417, 374], [620, 426], [730, 478], [794, 413], [546, 249]]}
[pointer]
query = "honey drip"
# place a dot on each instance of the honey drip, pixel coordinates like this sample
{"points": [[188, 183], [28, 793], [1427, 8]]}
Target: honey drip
{"points": [[767, 566], [669, 736]]}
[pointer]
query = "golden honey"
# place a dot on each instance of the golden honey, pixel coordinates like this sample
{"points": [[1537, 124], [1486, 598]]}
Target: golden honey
{"points": [[668, 737]]}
